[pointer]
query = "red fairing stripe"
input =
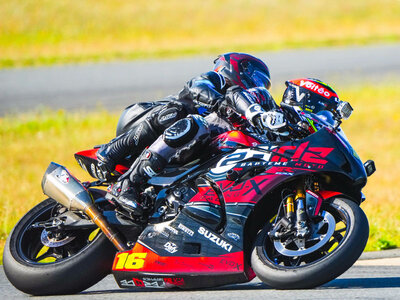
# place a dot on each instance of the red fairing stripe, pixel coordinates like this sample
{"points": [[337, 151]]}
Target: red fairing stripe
{"points": [[88, 153], [148, 261], [121, 169], [328, 194], [238, 137]]}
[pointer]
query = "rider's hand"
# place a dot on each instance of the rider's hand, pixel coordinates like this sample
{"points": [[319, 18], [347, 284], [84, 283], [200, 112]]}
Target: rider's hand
{"points": [[253, 114], [275, 122]]}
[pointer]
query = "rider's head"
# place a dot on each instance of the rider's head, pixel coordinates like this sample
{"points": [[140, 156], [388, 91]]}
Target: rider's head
{"points": [[243, 69], [311, 95], [263, 97]]}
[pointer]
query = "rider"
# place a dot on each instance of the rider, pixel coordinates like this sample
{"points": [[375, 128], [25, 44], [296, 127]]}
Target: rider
{"points": [[205, 92], [222, 90]]}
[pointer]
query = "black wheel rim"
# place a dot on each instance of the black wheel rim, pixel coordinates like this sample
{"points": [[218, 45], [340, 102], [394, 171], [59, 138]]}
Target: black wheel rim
{"points": [[31, 249]]}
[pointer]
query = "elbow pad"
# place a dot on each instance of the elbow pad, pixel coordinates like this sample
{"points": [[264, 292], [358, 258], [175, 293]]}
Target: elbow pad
{"points": [[206, 97], [205, 90]]}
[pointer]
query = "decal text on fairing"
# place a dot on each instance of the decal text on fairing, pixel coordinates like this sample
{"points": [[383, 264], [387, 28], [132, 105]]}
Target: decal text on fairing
{"points": [[215, 239]]}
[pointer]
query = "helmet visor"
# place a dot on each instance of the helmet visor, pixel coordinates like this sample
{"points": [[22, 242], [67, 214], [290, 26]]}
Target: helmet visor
{"points": [[260, 79]]}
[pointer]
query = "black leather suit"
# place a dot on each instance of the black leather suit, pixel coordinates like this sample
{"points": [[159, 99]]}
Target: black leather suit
{"points": [[161, 127]]}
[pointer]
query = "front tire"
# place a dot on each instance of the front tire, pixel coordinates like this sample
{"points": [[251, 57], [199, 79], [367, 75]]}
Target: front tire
{"points": [[67, 269], [331, 259]]}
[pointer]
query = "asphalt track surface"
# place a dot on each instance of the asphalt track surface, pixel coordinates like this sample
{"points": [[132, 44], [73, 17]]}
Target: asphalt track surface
{"points": [[118, 84], [368, 279]]}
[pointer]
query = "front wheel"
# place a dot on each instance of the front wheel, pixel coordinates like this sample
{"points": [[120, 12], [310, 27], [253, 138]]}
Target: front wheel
{"points": [[337, 238], [41, 261]]}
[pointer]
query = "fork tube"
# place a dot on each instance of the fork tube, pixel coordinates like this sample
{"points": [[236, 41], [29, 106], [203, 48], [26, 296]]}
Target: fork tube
{"points": [[300, 211], [290, 208]]}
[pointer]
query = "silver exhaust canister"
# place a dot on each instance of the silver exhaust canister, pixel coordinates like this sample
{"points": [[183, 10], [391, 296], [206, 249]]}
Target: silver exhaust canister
{"points": [[60, 185]]}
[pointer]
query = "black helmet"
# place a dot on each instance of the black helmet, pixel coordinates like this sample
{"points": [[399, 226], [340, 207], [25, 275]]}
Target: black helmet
{"points": [[311, 95], [243, 69]]}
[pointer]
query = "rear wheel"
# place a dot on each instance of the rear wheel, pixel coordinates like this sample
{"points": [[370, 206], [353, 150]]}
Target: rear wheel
{"points": [[338, 237], [71, 262]]}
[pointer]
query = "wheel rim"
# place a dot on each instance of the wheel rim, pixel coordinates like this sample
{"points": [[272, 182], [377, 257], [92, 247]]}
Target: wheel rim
{"points": [[321, 233], [35, 246], [329, 232]]}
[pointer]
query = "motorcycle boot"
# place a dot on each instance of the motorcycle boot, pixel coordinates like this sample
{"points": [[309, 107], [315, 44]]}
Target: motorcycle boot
{"points": [[126, 196], [126, 191], [129, 143]]}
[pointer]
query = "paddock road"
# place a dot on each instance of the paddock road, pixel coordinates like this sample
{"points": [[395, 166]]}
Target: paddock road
{"points": [[117, 84], [374, 276]]}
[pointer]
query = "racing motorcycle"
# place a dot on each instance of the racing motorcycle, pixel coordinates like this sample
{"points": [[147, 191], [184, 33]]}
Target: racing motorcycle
{"points": [[287, 212]]}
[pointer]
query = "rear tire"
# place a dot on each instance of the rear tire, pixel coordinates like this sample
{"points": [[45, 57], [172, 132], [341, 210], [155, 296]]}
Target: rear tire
{"points": [[321, 266], [77, 271]]}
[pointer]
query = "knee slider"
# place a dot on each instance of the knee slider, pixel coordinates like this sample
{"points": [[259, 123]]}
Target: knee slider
{"points": [[169, 114], [183, 131]]}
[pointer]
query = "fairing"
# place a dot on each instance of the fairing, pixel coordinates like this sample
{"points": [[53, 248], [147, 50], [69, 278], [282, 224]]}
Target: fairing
{"points": [[204, 244]]}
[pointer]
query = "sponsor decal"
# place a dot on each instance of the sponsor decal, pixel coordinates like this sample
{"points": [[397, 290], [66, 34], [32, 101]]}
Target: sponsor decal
{"points": [[185, 229], [129, 261], [63, 177], [215, 239], [284, 173], [314, 87], [233, 236], [230, 263], [126, 283], [313, 155], [173, 230], [168, 117], [170, 247], [227, 162], [174, 281], [138, 282], [148, 282], [299, 96], [137, 134], [302, 155], [153, 282]]}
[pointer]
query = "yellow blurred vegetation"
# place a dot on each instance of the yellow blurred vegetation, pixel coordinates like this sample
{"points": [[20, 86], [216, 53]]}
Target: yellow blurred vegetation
{"points": [[30, 141], [46, 31]]}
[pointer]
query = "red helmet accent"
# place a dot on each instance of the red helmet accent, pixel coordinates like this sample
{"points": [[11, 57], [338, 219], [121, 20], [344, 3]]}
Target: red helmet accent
{"points": [[243, 69], [310, 94], [316, 86]]}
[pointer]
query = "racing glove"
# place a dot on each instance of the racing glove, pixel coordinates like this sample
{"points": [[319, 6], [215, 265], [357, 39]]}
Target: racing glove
{"points": [[274, 121], [253, 114]]}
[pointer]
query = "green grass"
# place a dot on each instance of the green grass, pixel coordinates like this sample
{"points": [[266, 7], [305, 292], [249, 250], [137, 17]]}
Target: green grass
{"points": [[374, 132], [37, 32], [30, 141]]}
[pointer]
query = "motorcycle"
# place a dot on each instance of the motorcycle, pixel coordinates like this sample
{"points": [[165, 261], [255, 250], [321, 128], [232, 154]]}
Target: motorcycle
{"points": [[287, 212]]}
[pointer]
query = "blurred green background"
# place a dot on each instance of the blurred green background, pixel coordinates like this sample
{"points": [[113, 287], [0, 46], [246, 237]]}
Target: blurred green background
{"points": [[45, 31]]}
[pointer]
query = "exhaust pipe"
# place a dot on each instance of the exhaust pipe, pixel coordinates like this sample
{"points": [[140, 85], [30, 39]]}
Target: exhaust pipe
{"points": [[60, 185]]}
